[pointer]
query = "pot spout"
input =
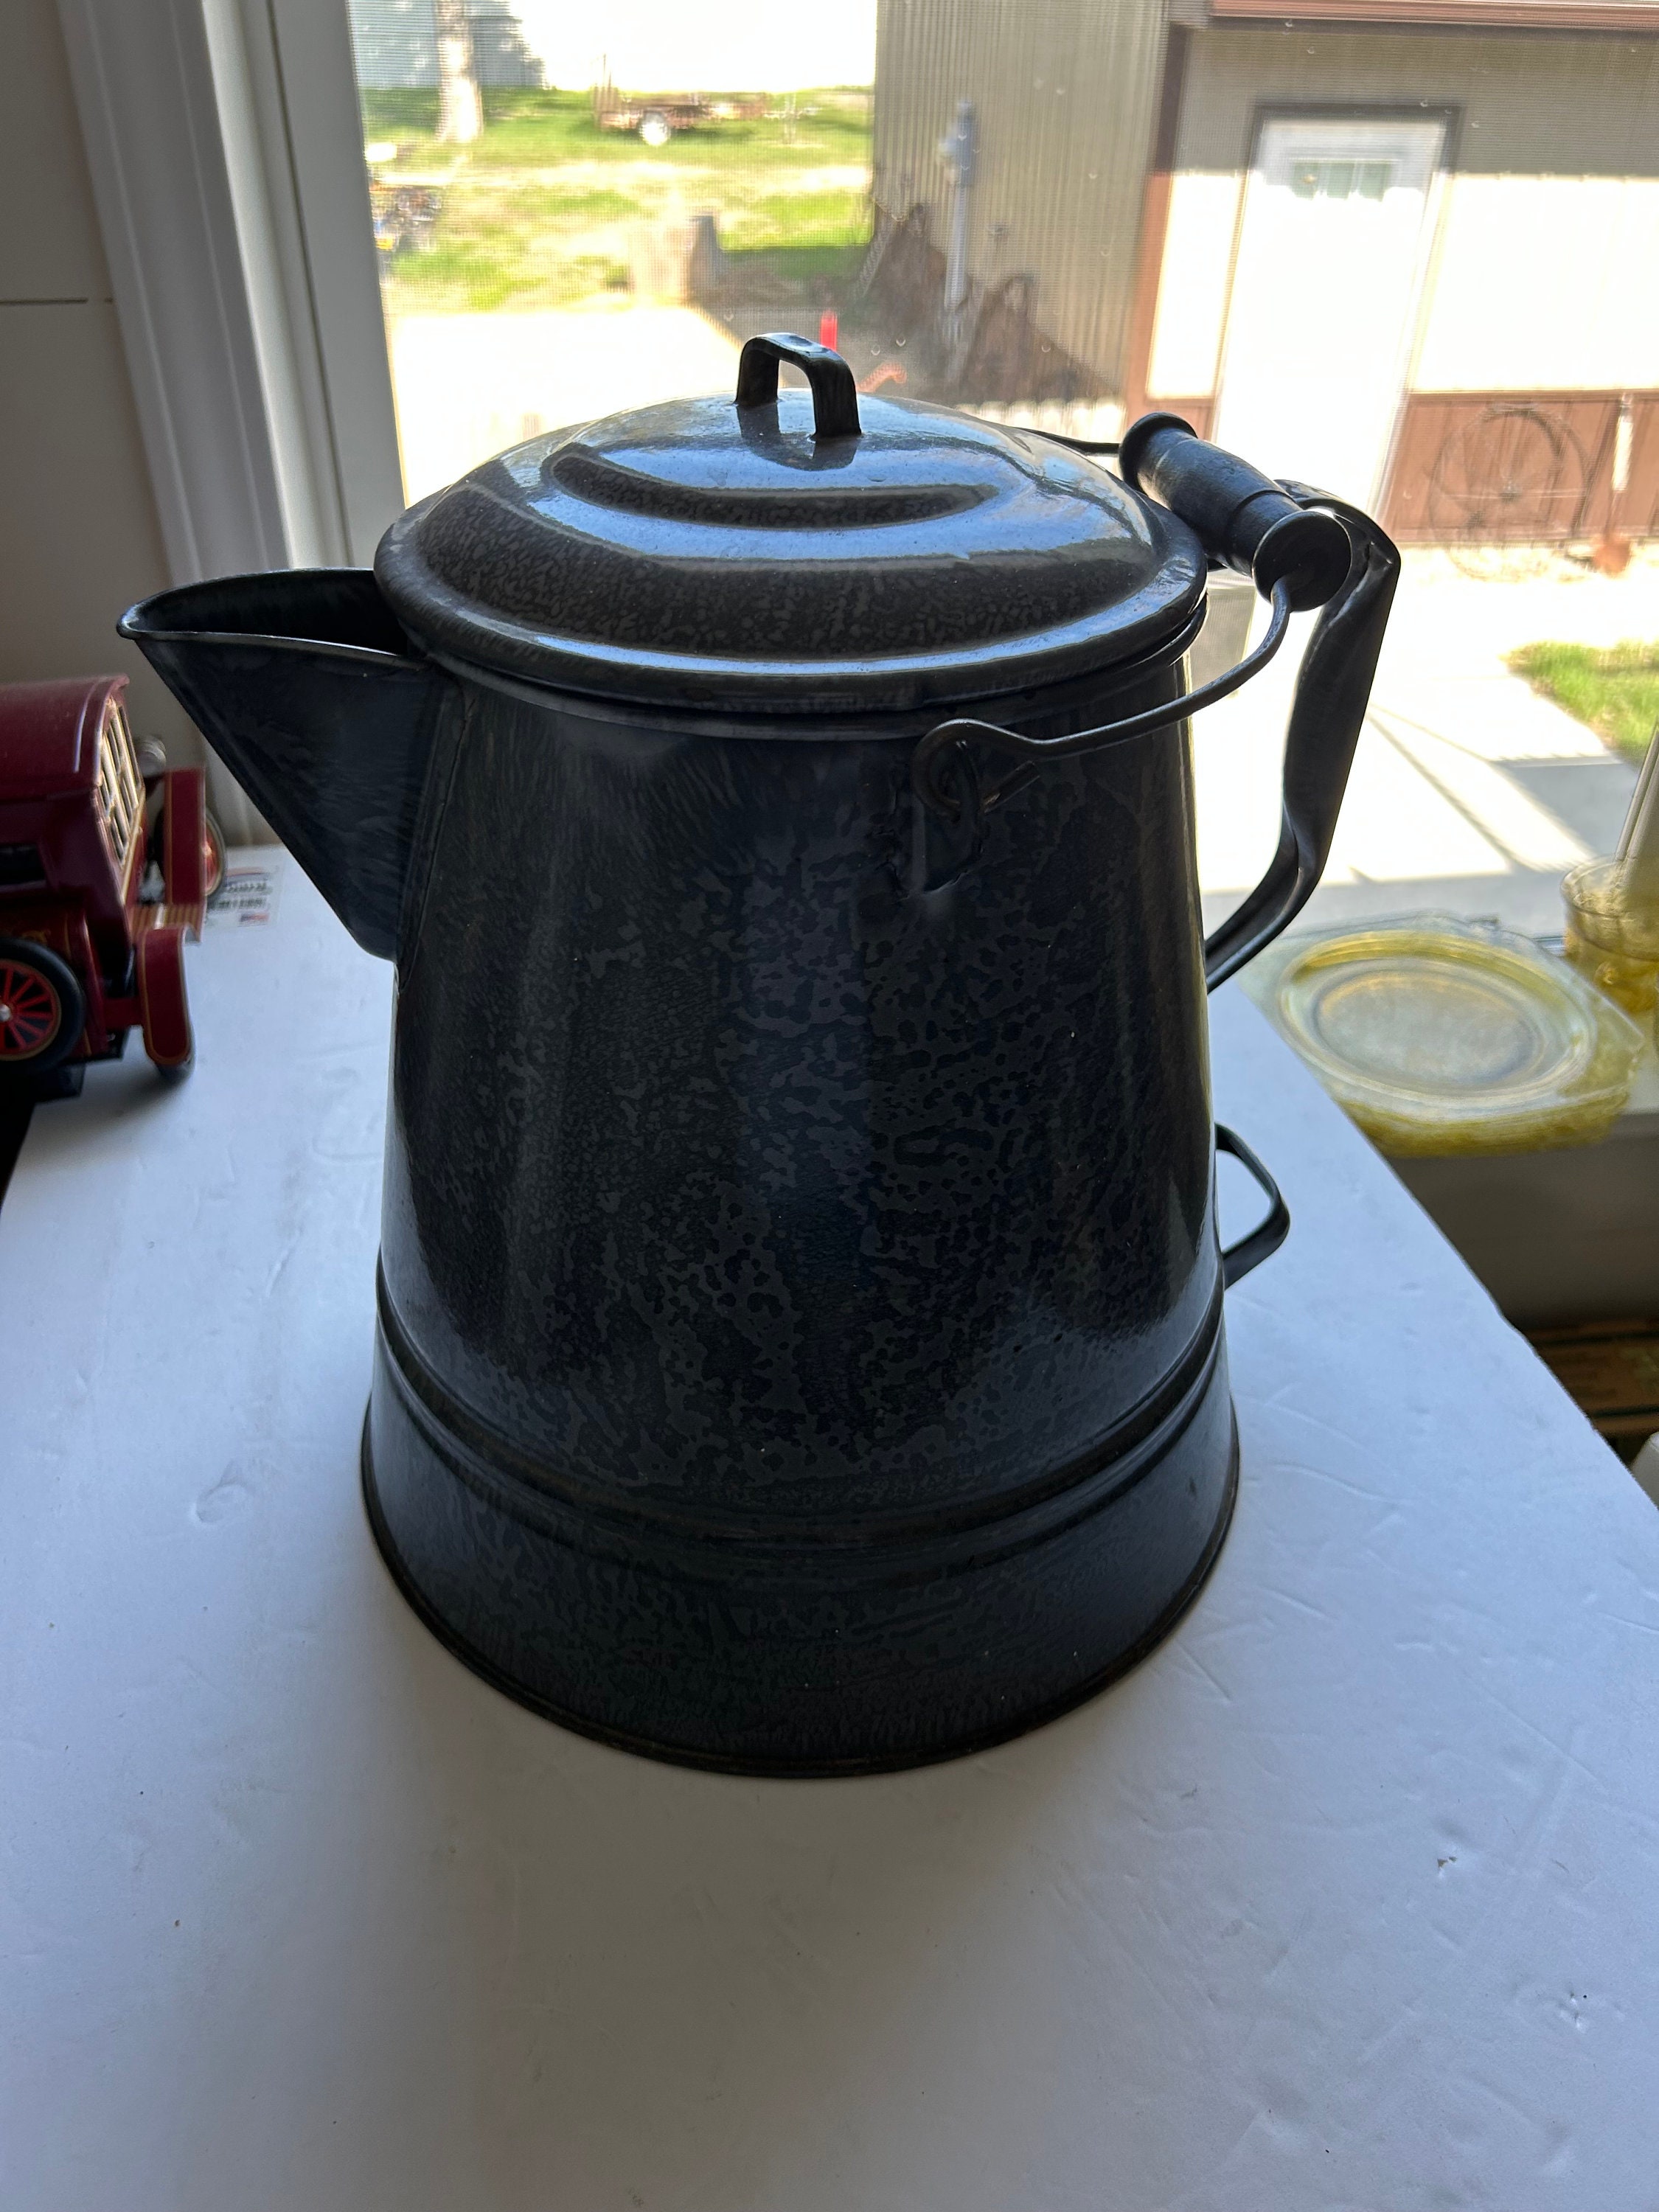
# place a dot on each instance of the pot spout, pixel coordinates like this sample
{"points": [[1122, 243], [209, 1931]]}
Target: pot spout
{"points": [[305, 685]]}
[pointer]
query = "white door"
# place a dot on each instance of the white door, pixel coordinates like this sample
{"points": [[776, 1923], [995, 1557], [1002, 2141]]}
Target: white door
{"points": [[1331, 259]]}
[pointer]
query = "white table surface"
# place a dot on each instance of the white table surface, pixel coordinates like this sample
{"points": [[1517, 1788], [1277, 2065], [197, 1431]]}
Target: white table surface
{"points": [[1348, 1896]]}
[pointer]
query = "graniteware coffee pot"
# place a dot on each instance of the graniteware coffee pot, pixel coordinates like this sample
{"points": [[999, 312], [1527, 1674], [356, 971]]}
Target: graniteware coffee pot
{"points": [[801, 1339]]}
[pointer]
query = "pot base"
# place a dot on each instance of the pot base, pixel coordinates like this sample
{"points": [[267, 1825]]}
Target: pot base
{"points": [[804, 1660]]}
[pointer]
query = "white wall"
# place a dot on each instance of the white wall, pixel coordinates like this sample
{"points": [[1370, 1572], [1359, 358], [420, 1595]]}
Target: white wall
{"points": [[79, 537], [1546, 272], [1545, 283], [1192, 297]]}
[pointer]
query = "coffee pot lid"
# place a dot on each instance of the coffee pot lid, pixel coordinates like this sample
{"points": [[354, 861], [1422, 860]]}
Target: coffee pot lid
{"points": [[787, 550]]}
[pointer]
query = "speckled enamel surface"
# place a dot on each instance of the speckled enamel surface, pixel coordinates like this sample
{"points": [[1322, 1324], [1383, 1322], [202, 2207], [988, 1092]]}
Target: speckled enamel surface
{"points": [[697, 551], [770, 1657], [738, 1192], [721, 1167], [800, 1301]]}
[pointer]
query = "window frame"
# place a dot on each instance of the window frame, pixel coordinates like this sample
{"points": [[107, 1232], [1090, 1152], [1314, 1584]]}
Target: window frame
{"points": [[227, 165]]}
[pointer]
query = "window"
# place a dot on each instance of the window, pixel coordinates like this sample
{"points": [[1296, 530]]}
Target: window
{"points": [[19, 864], [1339, 180], [1403, 261]]}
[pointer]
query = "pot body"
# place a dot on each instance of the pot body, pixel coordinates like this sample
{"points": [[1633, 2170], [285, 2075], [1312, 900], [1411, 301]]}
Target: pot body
{"points": [[800, 1302]]}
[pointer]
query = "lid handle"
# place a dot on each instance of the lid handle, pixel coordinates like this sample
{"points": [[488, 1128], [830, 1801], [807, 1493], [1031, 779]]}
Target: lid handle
{"points": [[834, 395]]}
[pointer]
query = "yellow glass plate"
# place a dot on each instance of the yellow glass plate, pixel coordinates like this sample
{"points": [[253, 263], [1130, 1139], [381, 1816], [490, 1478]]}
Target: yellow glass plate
{"points": [[1439, 1036]]}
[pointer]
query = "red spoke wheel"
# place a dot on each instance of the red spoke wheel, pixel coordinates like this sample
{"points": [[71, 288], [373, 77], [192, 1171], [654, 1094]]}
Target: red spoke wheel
{"points": [[1506, 487], [42, 1009]]}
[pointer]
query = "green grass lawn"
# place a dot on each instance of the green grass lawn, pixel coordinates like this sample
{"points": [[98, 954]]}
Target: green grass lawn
{"points": [[542, 130], [545, 210], [1614, 688]]}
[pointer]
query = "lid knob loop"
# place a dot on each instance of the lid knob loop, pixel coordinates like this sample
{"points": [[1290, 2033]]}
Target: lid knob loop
{"points": [[834, 395]]}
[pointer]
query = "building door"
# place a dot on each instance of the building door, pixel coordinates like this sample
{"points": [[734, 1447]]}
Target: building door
{"points": [[1332, 254]]}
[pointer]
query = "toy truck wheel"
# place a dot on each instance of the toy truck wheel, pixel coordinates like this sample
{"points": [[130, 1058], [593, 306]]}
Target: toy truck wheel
{"points": [[168, 1038], [213, 849], [43, 1009], [213, 852]]}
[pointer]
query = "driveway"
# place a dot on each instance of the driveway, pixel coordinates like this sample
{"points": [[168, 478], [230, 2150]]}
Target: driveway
{"points": [[1469, 793], [467, 385]]}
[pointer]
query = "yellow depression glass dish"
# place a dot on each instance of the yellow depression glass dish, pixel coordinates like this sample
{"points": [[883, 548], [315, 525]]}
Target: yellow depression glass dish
{"points": [[1439, 1036]]}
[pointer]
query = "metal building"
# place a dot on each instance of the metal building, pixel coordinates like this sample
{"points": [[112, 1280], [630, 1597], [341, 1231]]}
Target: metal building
{"points": [[1401, 248], [1056, 101]]}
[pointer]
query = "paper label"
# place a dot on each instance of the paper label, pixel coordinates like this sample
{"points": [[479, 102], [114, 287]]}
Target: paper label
{"points": [[247, 899]]}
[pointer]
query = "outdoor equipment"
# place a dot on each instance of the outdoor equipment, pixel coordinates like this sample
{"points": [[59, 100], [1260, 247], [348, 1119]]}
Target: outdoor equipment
{"points": [[800, 1341]]}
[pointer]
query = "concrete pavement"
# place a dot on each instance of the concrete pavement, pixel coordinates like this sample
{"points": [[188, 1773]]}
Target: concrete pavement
{"points": [[1469, 792], [467, 385]]}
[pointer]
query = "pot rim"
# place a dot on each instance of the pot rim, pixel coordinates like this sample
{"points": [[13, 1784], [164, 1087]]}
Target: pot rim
{"points": [[832, 716], [461, 632]]}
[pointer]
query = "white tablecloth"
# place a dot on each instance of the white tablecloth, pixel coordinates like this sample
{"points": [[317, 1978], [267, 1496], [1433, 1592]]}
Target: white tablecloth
{"points": [[1349, 1896]]}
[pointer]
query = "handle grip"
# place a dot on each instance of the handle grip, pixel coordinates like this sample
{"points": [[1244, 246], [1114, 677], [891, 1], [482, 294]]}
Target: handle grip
{"points": [[835, 394], [1333, 690], [1244, 518], [1264, 1239]]}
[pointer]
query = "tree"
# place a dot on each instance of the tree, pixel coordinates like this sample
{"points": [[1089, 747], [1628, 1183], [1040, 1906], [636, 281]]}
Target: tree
{"points": [[460, 111]]}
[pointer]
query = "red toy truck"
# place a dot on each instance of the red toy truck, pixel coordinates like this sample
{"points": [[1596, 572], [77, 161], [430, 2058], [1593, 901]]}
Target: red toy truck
{"points": [[87, 950]]}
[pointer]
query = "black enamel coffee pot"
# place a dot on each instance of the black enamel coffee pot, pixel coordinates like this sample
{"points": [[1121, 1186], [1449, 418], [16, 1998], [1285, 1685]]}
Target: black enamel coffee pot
{"points": [[800, 1303]]}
